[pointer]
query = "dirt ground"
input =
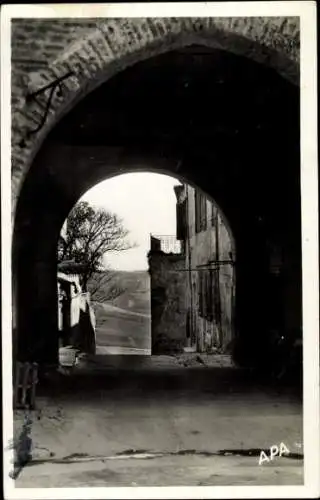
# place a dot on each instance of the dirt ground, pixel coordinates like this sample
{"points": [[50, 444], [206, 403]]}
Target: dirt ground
{"points": [[122, 330], [160, 421]]}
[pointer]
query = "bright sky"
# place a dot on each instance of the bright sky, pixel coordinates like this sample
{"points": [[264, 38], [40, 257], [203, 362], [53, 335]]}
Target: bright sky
{"points": [[146, 203]]}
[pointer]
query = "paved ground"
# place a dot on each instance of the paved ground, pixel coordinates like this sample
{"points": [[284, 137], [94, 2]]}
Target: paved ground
{"points": [[131, 420]]}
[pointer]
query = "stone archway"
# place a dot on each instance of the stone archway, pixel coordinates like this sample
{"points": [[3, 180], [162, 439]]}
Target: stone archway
{"points": [[222, 163], [103, 48]]}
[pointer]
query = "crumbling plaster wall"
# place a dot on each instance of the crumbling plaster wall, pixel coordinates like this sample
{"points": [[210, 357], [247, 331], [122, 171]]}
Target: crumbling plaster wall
{"points": [[168, 314], [202, 245]]}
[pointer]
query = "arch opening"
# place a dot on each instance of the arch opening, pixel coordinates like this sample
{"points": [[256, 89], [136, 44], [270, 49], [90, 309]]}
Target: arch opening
{"points": [[218, 121], [198, 254]]}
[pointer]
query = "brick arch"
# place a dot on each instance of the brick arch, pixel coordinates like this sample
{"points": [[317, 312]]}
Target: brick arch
{"points": [[116, 44]]}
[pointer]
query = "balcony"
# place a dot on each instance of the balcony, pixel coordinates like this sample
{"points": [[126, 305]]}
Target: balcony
{"points": [[165, 243]]}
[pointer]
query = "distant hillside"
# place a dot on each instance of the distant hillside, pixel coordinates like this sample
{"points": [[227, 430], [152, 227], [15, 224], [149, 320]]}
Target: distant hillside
{"points": [[137, 291]]}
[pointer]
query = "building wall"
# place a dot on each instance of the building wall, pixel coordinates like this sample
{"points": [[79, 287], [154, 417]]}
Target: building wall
{"points": [[176, 281], [80, 330], [168, 314], [201, 248]]}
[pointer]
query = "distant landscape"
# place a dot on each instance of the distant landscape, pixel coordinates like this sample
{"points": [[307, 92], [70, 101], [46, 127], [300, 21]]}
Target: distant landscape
{"points": [[137, 291], [125, 322]]}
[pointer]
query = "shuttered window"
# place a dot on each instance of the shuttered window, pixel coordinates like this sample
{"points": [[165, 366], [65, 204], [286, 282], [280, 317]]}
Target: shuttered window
{"points": [[209, 295], [213, 215], [205, 294], [200, 211], [203, 213], [181, 210], [200, 294]]}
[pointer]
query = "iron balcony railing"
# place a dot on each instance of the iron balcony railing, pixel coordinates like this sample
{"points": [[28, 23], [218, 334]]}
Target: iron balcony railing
{"points": [[166, 243]]}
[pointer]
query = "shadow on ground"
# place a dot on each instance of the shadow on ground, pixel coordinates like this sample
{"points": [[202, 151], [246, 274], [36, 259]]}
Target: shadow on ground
{"points": [[146, 376]]}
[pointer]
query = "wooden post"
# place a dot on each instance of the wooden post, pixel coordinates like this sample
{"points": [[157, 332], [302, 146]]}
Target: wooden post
{"points": [[26, 379]]}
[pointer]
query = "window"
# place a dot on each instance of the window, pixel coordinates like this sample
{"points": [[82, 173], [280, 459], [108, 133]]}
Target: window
{"points": [[203, 213], [209, 295], [213, 215], [181, 220], [217, 298], [200, 293], [200, 212], [205, 293]]}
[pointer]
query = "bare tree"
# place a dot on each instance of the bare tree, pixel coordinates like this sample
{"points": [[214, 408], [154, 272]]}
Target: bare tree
{"points": [[105, 285], [90, 234]]}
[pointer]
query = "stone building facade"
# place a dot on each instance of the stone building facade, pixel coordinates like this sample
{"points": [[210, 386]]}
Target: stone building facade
{"points": [[209, 266], [192, 279]]}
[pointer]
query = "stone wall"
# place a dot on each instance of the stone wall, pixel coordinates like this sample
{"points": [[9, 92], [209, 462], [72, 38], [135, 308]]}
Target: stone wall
{"points": [[96, 49], [168, 313]]}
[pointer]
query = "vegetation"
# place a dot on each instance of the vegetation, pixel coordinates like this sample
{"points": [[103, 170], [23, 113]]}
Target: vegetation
{"points": [[90, 234]]}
